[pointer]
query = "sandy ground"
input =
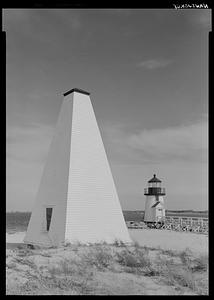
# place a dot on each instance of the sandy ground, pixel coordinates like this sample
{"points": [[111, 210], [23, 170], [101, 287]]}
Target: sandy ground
{"points": [[15, 237], [25, 271], [197, 243], [173, 240]]}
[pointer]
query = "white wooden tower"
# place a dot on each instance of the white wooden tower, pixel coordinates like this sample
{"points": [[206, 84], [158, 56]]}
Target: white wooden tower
{"points": [[77, 200], [154, 206]]}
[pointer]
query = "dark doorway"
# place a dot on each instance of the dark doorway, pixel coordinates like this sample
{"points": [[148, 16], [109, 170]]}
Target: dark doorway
{"points": [[48, 216]]}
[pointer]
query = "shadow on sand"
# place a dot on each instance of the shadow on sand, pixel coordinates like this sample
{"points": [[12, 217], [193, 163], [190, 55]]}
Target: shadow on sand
{"points": [[16, 245]]}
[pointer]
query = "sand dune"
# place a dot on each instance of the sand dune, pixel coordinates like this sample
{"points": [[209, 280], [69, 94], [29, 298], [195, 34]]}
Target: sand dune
{"points": [[111, 269]]}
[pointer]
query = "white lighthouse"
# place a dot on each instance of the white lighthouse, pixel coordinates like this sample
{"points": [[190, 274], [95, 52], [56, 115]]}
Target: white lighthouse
{"points": [[154, 206]]}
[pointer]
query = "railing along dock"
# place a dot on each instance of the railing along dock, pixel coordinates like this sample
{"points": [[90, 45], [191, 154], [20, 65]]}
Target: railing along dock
{"points": [[177, 223]]}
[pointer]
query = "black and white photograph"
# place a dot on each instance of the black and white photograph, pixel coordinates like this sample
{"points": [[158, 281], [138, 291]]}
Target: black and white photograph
{"points": [[107, 151]]}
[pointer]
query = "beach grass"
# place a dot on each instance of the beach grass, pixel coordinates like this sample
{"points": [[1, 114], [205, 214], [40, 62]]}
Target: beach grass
{"points": [[78, 269]]}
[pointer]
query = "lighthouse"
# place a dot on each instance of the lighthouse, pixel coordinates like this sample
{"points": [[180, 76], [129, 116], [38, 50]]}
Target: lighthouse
{"points": [[154, 206]]}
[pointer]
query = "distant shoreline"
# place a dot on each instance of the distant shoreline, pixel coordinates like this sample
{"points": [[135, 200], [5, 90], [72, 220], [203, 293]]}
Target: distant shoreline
{"points": [[18, 221], [127, 210]]}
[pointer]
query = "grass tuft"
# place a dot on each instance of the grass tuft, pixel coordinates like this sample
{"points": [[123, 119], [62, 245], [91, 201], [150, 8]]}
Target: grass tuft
{"points": [[119, 243], [26, 261], [24, 252], [200, 264], [98, 256], [136, 261]]}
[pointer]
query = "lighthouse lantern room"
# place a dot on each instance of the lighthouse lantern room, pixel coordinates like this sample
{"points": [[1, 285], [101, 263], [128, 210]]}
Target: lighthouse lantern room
{"points": [[154, 206]]}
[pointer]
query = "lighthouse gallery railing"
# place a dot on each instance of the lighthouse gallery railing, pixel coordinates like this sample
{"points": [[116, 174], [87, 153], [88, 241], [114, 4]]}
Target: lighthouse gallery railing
{"points": [[154, 191]]}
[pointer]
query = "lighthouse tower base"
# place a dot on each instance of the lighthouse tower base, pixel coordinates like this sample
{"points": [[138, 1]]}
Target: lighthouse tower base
{"points": [[154, 209]]}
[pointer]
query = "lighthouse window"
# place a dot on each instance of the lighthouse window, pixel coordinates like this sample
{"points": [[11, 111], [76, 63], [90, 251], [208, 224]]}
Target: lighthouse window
{"points": [[48, 216]]}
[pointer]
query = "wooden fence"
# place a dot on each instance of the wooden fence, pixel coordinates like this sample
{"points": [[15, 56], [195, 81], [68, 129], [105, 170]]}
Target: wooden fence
{"points": [[177, 223]]}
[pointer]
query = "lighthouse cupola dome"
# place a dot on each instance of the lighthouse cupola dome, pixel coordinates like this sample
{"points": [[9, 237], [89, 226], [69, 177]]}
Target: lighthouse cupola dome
{"points": [[154, 179]]}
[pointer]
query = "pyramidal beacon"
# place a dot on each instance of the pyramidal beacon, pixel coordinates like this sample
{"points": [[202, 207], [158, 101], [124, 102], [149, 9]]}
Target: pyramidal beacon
{"points": [[77, 200]]}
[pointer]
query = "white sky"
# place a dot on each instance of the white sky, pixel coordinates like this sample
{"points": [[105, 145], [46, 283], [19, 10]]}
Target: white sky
{"points": [[147, 72]]}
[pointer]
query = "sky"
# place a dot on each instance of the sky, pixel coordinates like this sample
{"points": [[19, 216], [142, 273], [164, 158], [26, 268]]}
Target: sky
{"points": [[147, 74]]}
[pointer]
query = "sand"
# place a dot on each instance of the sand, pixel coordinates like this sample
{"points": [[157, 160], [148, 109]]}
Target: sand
{"points": [[15, 237], [29, 271], [173, 240], [197, 243]]}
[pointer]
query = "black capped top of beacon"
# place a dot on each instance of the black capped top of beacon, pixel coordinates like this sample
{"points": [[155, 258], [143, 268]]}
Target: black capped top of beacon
{"points": [[154, 179], [77, 91]]}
